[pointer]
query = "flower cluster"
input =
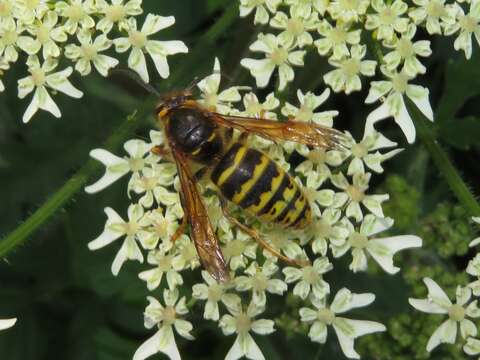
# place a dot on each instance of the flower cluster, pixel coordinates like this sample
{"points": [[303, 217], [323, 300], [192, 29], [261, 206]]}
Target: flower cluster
{"points": [[43, 33], [459, 313], [336, 30], [347, 221]]}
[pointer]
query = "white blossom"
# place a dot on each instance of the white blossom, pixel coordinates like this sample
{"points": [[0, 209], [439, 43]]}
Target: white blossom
{"points": [[362, 243], [242, 323], [467, 25], [309, 278], [347, 330], [7, 323], [40, 78], [116, 228], [166, 317], [391, 93], [388, 19], [277, 54], [117, 12], [211, 98], [261, 8], [438, 302], [349, 68], [139, 41]]}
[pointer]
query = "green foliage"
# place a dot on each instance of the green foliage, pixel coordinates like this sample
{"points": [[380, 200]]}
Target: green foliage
{"points": [[447, 230]]}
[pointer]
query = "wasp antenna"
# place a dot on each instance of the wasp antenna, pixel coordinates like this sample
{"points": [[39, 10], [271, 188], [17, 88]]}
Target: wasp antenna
{"points": [[132, 75]]}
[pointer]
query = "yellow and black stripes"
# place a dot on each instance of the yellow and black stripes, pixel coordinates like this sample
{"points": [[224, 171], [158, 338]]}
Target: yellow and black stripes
{"points": [[256, 183]]}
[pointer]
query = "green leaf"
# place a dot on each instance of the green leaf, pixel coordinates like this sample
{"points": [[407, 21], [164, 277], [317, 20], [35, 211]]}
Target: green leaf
{"points": [[462, 81], [461, 133]]}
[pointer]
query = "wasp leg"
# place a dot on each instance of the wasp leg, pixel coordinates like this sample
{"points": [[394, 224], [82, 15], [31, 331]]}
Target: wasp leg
{"points": [[180, 231], [242, 139], [162, 151], [258, 239], [200, 173]]}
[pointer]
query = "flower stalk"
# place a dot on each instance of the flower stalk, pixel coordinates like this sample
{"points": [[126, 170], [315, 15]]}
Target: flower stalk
{"points": [[442, 161], [63, 195]]}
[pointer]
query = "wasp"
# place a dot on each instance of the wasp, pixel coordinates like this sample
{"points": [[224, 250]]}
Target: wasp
{"points": [[241, 174]]}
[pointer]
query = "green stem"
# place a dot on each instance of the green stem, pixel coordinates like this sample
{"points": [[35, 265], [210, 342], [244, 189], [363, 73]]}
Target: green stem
{"points": [[442, 161], [72, 186], [61, 197]]}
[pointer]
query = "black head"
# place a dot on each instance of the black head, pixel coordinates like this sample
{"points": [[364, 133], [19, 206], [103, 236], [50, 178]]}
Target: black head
{"points": [[171, 101]]}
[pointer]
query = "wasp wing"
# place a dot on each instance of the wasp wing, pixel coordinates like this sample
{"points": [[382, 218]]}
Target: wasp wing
{"points": [[202, 233], [298, 131]]}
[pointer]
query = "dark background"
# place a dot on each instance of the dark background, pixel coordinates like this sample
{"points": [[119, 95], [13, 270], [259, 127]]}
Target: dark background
{"points": [[68, 303]]}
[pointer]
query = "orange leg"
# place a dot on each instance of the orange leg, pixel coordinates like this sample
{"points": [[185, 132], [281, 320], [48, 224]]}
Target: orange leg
{"points": [[180, 231], [258, 239], [162, 151]]}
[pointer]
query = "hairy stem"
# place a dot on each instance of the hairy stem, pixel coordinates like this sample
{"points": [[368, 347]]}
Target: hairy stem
{"points": [[61, 197], [442, 161]]}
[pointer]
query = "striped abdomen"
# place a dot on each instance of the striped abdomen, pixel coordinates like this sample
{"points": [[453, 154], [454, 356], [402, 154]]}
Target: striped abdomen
{"points": [[256, 183]]}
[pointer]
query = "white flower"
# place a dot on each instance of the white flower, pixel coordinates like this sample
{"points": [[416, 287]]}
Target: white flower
{"points": [[327, 227], [211, 99], [406, 52], [316, 165], [186, 254], [239, 249], [116, 228], [259, 281], [391, 93], [335, 38], [362, 152], [467, 25], [117, 13], [438, 302], [347, 330], [7, 323], [9, 36], [278, 54], [7, 10], [158, 227], [3, 67], [78, 13], [348, 10], [242, 322], [116, 167], [388, 18], [213, 292], [89, 52], [310, 278], [475, 241], [305, 7], [46, 35], [346, 77], [354, 195], [28, 10], [295, 28], [472, 346], [306, 112], [164, 262], [381, 250], [473, 268], [165, 318], [151, 181], [434, 13], [254, 108], [140, 41], [260, 6], [40, 78]]}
